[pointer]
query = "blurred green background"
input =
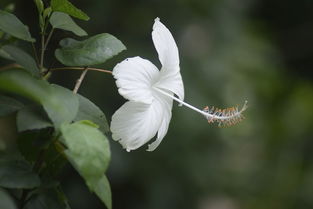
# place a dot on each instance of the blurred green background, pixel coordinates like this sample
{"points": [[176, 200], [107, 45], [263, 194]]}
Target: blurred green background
{"points": [[230, 51]]}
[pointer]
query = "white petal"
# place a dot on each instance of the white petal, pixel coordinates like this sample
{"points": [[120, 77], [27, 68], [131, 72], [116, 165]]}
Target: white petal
{"points": [[134, 78], [165, 46], [170, 78], [168, 103], [171, 81], [135, 123]]}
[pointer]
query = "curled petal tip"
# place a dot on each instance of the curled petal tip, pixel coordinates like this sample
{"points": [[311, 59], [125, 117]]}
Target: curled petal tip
{"points": [[151, 147], [157, 19]]}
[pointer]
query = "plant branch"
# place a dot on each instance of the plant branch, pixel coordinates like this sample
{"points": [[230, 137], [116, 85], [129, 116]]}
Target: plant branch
{"points": [[80, 80], [36, 167], [81, 68], [39, 160], [15, 65], [42, 53], [23, 198], [35, 54], [48, 39], [9, 66]]}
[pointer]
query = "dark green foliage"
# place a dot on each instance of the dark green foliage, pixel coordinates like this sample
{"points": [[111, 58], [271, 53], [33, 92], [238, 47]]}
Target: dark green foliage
{"points": [[9, 105], [16, 173], [30, 143], [47, 198], [32, 117], [50, 125]]}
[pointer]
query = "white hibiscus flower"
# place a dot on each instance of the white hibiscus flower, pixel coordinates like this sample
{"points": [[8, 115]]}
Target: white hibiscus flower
{"points": [[151, 93]]}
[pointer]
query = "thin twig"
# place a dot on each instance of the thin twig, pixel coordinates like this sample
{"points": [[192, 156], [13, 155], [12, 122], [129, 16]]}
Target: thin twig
{"points": [[42, 53], [81, 68], [9, 66], [15, 65], [39, 161], [36, 168], [35, 54], [48, 39], [79, 81], [23, 198]]}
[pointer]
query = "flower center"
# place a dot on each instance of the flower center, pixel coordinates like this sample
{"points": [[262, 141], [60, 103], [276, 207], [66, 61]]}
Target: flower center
{"points": [[224, 117]]}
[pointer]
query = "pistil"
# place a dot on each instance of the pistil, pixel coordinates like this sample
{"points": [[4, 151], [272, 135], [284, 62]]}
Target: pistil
{"points": [[224, 117]]}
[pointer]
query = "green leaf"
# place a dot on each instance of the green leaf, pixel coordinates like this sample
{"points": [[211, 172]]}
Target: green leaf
{"points": [[60, 104], [10, 24], [45, 198], [39, 5], [8, 105], [89, 153], [89, 111], [62, 197], [7, 202], [88, 149], [43, 201], [22, 83], [22, 58], [5, 55], [56, 160], [32, 117], [65, 22], [7, 39], [40, 8], [9, 8], [68, 8], [95, 50], [30, 143], [46, 12], [101, 187], [17, 173]]}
